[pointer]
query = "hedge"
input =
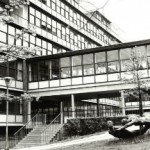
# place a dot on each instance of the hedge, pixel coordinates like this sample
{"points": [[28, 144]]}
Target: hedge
{"points": [[84, 126]]}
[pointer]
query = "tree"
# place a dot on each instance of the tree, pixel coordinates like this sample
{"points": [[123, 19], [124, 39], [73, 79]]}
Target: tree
{"points": [[134, 75], [9, 52]]}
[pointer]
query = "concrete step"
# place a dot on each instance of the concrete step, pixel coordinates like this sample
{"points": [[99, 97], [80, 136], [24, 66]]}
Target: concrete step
{"points": [[34, 138]]}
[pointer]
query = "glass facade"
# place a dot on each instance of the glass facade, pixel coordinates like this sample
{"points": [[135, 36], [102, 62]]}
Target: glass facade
{"points": [[15, 69], [110, 64]]}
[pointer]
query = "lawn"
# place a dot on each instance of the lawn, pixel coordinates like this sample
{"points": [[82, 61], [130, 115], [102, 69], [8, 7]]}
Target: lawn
{"points": [[139, 143]]}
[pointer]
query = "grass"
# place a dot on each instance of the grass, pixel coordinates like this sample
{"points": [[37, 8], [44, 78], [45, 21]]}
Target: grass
{"points": [[138, 143]]}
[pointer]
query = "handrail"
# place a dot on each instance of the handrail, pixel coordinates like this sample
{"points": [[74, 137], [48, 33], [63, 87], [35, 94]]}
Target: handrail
{"points": [[45, 134], [26, 124], [28, 127], [51, 122]]}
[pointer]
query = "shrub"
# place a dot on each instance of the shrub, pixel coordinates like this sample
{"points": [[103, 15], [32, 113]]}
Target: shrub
{"points": [[84, 126]]}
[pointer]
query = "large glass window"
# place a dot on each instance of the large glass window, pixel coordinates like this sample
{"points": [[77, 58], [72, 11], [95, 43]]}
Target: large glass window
{"points": [[2, 37], [88, 65], [33, 70], [112, 55], [65, 67], [43, 70], [113, 66], [55, 70], [100, 63], [77, 66], [125, 53], [100, 57], [100, 68], [88, 69]]}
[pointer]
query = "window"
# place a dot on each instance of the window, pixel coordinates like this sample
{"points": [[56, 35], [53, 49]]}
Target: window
{"points": [[88, 65], [2, 37], [19, 71], [112, 55], [37, 22], [65, 67], [88, 69], [11, 30], [53, 6], [125, 53], [33, 71], [32, 11], [43, 70], [100, 57], [100, 68], [77, 66], [55, 72], [32, 20], [11, 39], [38, 14], [88, 59], [113, 66], [38, 42]]}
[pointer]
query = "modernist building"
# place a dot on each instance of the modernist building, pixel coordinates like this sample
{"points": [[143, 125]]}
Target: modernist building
{"points": [[85, 83], [79, 70], [61, 26]]}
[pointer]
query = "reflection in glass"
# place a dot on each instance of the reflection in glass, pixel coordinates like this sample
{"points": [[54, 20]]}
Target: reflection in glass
{"points": [[100, 57], [112, 55], [88, 69], [34, 72], [55, 73], [65, 72], [76, 60], [100, 68], [125, 53], [88, 59], [43, 71], [77, 71], [113, 66], [65, 62]]}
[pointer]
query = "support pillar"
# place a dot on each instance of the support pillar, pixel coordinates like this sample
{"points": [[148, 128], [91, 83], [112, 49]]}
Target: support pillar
{"points": [[29, 111], [123, 103], [61, 112], [98, 108], [73, 106]]}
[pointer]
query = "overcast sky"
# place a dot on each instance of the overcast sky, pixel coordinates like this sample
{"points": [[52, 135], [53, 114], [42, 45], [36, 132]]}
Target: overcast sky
{"points": [[132, 16]]}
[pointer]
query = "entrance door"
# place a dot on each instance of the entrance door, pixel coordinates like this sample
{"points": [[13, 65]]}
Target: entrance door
{"points": [[49, 108]]}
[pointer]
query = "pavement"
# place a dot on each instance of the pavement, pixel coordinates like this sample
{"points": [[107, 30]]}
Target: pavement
{"points": [[84, 140], [92, 138]]}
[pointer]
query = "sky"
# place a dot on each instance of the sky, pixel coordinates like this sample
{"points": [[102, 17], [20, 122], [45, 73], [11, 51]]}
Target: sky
{"points": [[132, 17]]}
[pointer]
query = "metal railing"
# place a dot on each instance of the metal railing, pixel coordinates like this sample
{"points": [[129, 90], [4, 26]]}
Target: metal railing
{"points": [[38, 119], [51, 130]]}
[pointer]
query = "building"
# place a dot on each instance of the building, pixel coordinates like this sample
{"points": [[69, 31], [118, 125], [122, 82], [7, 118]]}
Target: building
{"points": [[78, 73], [61, 26]]}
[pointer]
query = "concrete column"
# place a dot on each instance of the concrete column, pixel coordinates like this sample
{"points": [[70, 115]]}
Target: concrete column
{"points": [[123, 103], [25, 77], [61, 113], [29, 111], [98, 108], [73, 106]]}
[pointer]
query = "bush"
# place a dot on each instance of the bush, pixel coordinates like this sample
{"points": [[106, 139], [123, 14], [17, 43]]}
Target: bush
{"points": [[84, 126]]}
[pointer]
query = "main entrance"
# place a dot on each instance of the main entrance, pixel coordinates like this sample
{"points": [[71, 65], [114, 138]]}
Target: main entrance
{"points": [[46, 107]]}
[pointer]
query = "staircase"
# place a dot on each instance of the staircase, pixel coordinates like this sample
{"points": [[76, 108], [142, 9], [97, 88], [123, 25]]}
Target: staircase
{"points": [[41, 134]]}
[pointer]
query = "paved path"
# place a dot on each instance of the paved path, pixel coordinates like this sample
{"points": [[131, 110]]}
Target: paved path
{"points": [[101, 137], [92, 138]]}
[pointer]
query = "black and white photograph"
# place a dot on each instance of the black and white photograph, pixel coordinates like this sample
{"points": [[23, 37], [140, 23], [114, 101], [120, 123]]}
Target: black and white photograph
{"points": [[74, 75]]}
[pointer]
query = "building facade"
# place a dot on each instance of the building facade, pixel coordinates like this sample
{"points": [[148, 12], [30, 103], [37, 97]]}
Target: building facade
{"points": [[61, 26]]}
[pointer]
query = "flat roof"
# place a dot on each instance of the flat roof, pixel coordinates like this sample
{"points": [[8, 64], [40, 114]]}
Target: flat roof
{"points": [[92, 50]]}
